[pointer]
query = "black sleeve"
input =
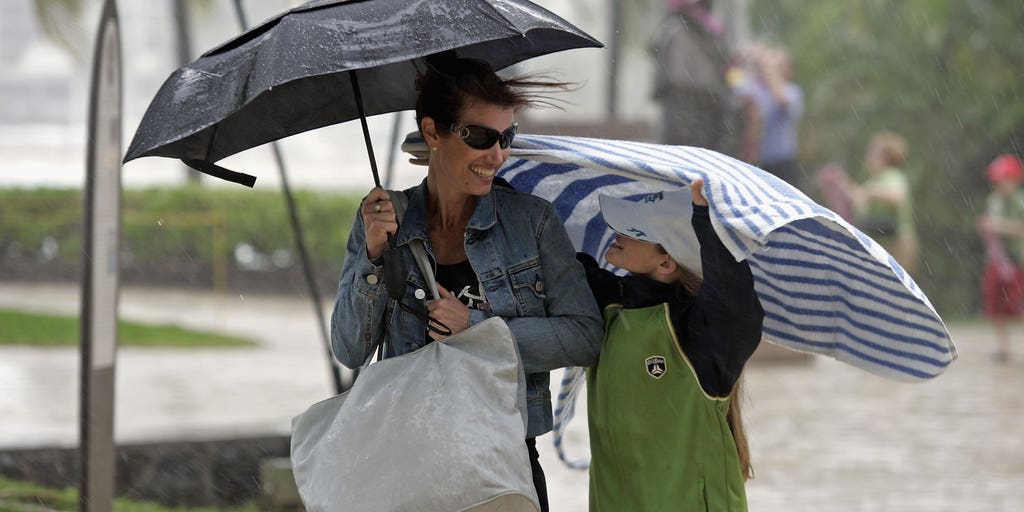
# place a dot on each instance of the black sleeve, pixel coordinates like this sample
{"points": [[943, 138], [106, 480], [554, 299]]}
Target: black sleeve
{"points": [[605, 285], [721, 329]]}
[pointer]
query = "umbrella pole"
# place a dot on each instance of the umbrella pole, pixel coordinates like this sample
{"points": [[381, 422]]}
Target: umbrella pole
{"points": [[366, 129], [300, 242], [394, 271]]}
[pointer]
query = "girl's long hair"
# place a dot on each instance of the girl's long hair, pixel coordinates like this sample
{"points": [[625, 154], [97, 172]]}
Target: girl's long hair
{"points": [[733, 414], [739, 436]]}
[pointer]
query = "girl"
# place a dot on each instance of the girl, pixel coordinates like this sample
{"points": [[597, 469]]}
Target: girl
{"points": [[663, 400]]}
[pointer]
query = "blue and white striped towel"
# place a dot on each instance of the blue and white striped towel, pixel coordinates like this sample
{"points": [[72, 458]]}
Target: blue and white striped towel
{"points": [[825, 286]]}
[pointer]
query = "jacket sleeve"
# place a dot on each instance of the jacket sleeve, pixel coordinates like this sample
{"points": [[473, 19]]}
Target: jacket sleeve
{"points": [[356, 323], [604, 284], [723, 325], [570, 333]]}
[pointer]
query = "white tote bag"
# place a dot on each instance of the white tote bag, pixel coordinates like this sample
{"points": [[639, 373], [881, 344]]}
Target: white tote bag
{"points": [[441, 429]]}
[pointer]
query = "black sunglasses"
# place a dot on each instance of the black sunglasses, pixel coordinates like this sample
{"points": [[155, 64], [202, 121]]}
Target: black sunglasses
{"points": [[483, 138]]}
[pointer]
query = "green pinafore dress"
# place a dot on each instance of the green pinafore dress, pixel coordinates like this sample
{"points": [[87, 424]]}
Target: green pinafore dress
{"points": [[658, 442]]}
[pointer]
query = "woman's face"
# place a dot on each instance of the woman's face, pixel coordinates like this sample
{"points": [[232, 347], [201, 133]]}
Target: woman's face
{"points": [[461, 168], [636, 256]]}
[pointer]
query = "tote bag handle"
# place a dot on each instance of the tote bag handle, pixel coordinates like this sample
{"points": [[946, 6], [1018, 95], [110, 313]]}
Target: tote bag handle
{"points": [[400, 202]]}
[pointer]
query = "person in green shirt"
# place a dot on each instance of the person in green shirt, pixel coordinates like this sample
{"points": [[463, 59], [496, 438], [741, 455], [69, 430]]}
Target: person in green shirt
{"points": [[663, 399], [882, 205]]}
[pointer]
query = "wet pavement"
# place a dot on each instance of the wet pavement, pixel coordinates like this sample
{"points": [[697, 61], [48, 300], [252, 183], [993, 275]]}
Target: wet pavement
{"points": [[824, 436]]}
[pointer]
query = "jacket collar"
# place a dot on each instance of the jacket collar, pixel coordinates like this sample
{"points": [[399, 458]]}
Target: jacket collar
{"points": [[641, 292], [414, 224]]}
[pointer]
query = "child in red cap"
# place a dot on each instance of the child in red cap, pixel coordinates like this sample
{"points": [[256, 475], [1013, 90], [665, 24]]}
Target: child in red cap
{"points": [[1002, 228]]}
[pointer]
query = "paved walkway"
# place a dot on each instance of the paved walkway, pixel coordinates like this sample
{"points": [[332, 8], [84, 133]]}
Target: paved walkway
{"points": [[824, 436], [169, 393]]}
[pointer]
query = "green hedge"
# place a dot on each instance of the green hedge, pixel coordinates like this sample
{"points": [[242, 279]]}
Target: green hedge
{"points": [[186, 235]]}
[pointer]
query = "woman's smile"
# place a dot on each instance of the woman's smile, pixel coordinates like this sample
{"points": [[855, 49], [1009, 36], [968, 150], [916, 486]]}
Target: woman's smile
{"points": [[484, 172]]}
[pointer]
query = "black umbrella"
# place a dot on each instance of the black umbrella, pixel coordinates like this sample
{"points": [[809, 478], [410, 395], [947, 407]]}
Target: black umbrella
{"points": [[327, 62]]}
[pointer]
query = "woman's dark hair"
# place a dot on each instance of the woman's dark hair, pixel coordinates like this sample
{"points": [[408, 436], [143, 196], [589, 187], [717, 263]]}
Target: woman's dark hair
{"points": [[450, 83]]}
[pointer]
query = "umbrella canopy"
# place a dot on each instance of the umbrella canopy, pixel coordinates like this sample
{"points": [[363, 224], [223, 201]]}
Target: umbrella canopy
{"points": [[295, 72], [825, 286]]}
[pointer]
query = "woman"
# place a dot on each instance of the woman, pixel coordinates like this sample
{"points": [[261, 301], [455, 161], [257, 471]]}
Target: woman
{"points": [[496, 252]]}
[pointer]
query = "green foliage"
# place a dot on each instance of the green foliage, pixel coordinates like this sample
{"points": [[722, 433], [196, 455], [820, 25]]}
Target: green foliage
{"points": [[35, 329], [175, 234], [943, 73], [17, 496]]}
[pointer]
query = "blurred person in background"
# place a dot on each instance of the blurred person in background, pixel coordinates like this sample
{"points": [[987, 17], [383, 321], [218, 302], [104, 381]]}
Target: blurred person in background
{"points": [[772, 106], [834, 184], [1002, 229], [691, 58], [882, 204]]}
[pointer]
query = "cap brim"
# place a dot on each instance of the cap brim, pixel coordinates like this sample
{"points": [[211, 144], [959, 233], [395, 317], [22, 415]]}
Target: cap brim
{"points": [[661, 218]]}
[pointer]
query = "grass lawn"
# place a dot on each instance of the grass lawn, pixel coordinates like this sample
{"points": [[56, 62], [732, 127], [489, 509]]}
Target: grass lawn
{"points": [[43, 330], [16, 496]]}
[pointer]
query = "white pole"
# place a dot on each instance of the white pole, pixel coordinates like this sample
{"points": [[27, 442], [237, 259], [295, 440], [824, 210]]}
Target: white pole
{"points": [[100, 269]]}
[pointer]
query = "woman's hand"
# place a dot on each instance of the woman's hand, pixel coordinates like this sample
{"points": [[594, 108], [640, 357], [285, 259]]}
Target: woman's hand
{"points": [[449, 311], [378, 220], [697, 191]]}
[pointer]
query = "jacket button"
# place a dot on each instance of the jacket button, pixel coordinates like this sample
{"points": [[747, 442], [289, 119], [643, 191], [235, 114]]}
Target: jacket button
{"points": [[372, 279]]}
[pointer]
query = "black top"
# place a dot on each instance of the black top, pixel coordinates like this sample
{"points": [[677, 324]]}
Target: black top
{"points": [[461, 281], [718, 329]]}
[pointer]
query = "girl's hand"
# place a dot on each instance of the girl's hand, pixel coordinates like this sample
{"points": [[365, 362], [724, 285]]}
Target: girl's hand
{"points": [[449, 311], [697, 191], [378, 220]]}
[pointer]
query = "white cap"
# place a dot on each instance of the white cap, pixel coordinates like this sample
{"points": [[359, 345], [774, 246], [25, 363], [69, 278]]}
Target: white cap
{"points": [[661, 218]]}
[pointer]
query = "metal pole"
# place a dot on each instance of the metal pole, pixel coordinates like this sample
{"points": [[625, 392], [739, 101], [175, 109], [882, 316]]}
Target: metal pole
{"points": [[389, 169], [300, 243], [183, 50], [614, 55], [100, 270]]}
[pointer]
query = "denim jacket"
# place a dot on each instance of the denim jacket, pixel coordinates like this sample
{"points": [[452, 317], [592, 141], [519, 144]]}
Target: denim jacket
{"points": [[528, 272]]}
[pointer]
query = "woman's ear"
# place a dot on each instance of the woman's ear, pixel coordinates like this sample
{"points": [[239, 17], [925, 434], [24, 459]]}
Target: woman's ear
{"points": [[429, 131]]}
